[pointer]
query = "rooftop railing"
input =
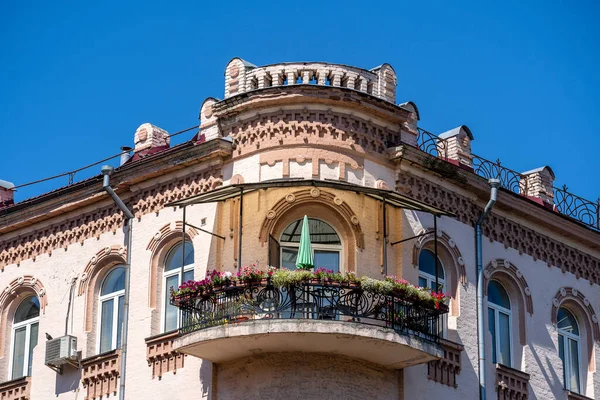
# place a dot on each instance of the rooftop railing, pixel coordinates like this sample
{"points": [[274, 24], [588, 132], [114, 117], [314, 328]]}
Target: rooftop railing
{"points": [[309, 300], [581, 210]]}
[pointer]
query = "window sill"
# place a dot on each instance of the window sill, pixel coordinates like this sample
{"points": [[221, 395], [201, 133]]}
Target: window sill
{"points": [[100, 373], [161, 356], [16, 389], [445, 369], [576, 396]]}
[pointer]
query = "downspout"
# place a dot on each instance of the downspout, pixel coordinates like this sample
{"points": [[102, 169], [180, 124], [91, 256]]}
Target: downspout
{"points": [[106, 171], [494, 185]]}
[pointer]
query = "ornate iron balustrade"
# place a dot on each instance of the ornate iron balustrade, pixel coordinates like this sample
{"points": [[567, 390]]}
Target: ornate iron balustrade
{"points": [[309, 300], [432, 144], [578, 208], [581, 210]]}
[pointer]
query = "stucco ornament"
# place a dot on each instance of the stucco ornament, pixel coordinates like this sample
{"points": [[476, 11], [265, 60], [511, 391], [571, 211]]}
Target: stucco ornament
{"points": [[338, 201], [461, 261], [42, 292], [451, 243], [354, 220], [556, 302], [290, 198], [527, 292], [506, 264], [595, 318], [494, 263], [487, 274], [20, 280], [157, 235], [563, 292], [121, 250], [94, 259], [574, 291], [83, 277], [519, 274], [586, 302], [107, 250], [271, 214], [314, 192]]}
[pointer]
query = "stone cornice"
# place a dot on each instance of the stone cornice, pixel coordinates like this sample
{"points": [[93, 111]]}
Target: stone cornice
{"points": [[89, 192], [510, 205], [296, 94]]}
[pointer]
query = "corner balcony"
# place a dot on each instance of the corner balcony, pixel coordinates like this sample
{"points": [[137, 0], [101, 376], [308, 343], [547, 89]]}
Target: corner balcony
{"points": [[242, 320]]}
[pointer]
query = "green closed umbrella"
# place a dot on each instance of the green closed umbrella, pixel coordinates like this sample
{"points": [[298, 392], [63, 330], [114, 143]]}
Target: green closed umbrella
{"points": [[305, 257]]}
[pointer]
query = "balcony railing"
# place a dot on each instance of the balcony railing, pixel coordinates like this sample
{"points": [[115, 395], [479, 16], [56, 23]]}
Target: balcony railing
{"points": [[308, 300], [582, 210]]}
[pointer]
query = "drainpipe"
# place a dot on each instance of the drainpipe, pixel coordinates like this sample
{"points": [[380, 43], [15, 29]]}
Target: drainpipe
{"points": [[494, 185], [106, 171]]}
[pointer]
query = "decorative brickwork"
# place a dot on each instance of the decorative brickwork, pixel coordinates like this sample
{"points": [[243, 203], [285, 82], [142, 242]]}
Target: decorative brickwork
{"points": [[426, 241], [511, 384], [538, 183], [108, 219], [17, 389], [161, 356], [315, 155], [310, 127], [149, 136], [100, 374], [445, 369], [572, 294], [500, 229]]}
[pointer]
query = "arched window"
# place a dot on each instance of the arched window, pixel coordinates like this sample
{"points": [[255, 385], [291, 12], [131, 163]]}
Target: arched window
{"points": [[499, 323], [569, 349], [427, 271], [110, 310], [172, 279], [24, 337], [326, 245]]}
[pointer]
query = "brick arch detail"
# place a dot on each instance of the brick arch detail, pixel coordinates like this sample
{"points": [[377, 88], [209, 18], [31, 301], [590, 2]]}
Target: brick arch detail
{"points": [[17, 289], [451, 259], [509, 275], [315, 196], [162, 241], [93, 273]]}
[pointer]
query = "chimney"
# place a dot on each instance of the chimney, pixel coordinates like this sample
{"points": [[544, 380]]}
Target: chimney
{"points": [[455, 146], [538, 184], [7, 193], [125, 155], [150, 139], [209, 127], [409, 132]]}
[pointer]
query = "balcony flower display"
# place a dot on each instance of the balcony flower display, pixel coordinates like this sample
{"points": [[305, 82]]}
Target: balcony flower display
{"points": [[281, 277]]}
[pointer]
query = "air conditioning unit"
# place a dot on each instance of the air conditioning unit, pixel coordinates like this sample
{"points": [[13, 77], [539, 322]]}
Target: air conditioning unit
{"points": [[61, 351]]}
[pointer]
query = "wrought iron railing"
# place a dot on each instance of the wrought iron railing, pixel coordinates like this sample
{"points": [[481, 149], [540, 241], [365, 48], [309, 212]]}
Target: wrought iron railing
{"points": [[582, 210], [315, 301]]}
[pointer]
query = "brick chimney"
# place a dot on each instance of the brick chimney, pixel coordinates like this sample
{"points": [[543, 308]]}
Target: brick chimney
{"points": [[455, 146], [7, 193], [538, 184], [209, 128], [149, 139], [409, 132]]}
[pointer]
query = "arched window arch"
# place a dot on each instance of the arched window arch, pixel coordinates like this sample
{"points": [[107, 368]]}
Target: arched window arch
{"points": [[110, 310], [569, 349], [25, 330], [325, 241], [180, 254], [500, 323]]}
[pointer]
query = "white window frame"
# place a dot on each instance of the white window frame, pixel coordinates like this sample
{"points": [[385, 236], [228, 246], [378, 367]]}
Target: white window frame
{"points": [[315, 246], [567, 359], [430, 279], [27, 324], [165, 296], [499, 309], [114, 296]]}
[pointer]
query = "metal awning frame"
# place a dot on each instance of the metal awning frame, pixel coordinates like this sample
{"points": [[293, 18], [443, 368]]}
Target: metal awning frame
{"points": [[387, 197]]}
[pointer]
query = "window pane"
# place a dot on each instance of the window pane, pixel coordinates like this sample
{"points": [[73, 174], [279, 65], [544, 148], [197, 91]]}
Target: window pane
{"points": [[504, 336], [170, 310], [188, 276], [19, 353], [427, 264], [561, 354], [492, 329], [288, 259], [497, 295], [29, 308], [327, 259], [33, 338], [423, 282], [174, 257], [574, 361], [567, 321], [320, 232], [120, 321], [106, 325], [114, 281]]}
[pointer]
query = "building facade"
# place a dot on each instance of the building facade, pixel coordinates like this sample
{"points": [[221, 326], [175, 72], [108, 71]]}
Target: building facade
{"points": [[383, 198]]}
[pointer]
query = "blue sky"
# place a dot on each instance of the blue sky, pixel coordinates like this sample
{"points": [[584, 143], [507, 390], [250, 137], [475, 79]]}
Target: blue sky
{"points": [[76, 80]]}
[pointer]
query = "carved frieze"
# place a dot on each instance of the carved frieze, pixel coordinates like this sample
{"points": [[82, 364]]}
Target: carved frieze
{"points": [[500, 229]]}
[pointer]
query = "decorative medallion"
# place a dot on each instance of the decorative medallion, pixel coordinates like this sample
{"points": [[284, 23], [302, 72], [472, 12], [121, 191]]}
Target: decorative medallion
{"points": [[556, 302], [290, 198], [157, 235], [234, 71], [209, 111], [20, 280], [354, 220], [314, 192], [586, 301], [519, 274], [461, 261], [574, 291], [338, 201], [494, 263], [451, 243], [94, 259], [271, 214], [563, 291], [595, 318], [107, 250], [527, 291]]}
